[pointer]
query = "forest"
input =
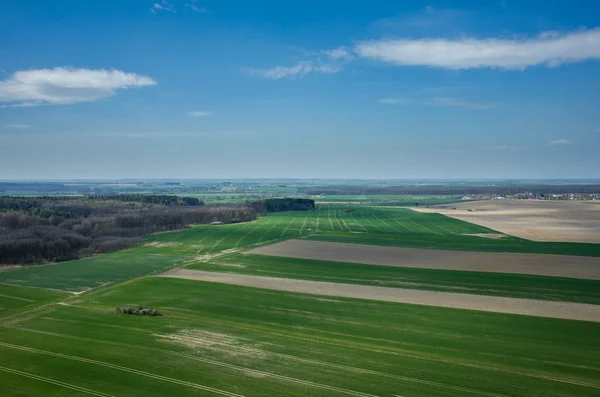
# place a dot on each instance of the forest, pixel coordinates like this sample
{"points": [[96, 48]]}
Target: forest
{"points": [[50, 229], [283, 204]]}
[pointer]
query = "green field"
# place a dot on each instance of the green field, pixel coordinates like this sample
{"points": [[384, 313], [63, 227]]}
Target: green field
{"points": [[14, 299], [480, 283], [216, 339], [61, 336]]}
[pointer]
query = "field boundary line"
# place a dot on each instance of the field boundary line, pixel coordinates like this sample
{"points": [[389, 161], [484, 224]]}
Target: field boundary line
{"points": [[18, 298], [287, 227], [36, 287], [120, 368], [54, 382], [269, 229], [342, 218]]}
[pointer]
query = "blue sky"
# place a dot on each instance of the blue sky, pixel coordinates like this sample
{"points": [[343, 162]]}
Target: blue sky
{"points": [[238, 89]]}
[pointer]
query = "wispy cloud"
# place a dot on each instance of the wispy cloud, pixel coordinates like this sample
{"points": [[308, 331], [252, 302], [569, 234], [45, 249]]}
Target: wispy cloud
{"points": [[559, 142], [195, 8], [17, 126], [200, 113], [299, 70], [61, 86], [341, 53], [550, 49], [459, 102], [164, 5], [393, 101]]}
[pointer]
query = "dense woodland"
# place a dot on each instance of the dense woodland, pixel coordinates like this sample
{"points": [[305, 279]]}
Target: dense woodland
{"points": [[49, 229], [283, 204], [42, 229]]}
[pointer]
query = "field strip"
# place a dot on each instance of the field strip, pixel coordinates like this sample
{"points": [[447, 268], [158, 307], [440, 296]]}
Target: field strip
{"points": [[247, 234], [537, 220], [356, 222], [54, 382], [385, 223], [303, 224], [401, 352], [17, 298], [397, 352], [120, 368], [269, 229], [299, 359], [333, 365], [386, 213], [227, 235], [342, 218], [329, 217], [582, 267], [372, 224], [192, 357], [528, 307], [288, 227], [34, 287]]}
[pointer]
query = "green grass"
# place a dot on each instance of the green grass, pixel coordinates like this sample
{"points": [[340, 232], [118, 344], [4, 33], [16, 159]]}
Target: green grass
{"points": [[480, 283], [258, 342], [14, 299], [83, 274], [407, 228]]}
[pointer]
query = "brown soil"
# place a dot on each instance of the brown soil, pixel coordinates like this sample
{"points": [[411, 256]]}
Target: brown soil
{"points": [[538, 220], [530, 307], [496, 262]]}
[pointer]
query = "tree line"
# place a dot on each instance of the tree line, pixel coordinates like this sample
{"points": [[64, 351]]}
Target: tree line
{"points": [[49, 230], [283, 204], [161, 199]]}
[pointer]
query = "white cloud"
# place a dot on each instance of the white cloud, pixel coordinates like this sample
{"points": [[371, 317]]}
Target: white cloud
{"points": [[18, 126], [559, 142], [61, 86], [549, 48], [340, 53], [195, 8], [447, 101], [200, 113], [299, 70], [393, 101], [164, 5]]}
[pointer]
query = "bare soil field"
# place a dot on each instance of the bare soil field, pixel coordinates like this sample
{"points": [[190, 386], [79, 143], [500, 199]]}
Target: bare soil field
{"points": [[529, 307], [537, 220], [496, 262]]}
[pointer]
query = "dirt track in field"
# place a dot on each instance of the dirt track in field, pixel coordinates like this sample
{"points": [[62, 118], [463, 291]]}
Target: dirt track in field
{"points": [[529, 307], [537, 220], [495, 262]]}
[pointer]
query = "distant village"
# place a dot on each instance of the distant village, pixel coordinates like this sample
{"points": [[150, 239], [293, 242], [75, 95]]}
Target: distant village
{"points": [[535, 196]]}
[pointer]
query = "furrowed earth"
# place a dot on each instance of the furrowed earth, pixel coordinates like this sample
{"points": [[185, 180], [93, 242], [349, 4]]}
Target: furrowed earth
{"points": [[298, 326]]}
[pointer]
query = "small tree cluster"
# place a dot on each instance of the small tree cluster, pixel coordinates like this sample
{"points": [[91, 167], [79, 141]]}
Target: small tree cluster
{"points": [[140, 311]]}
